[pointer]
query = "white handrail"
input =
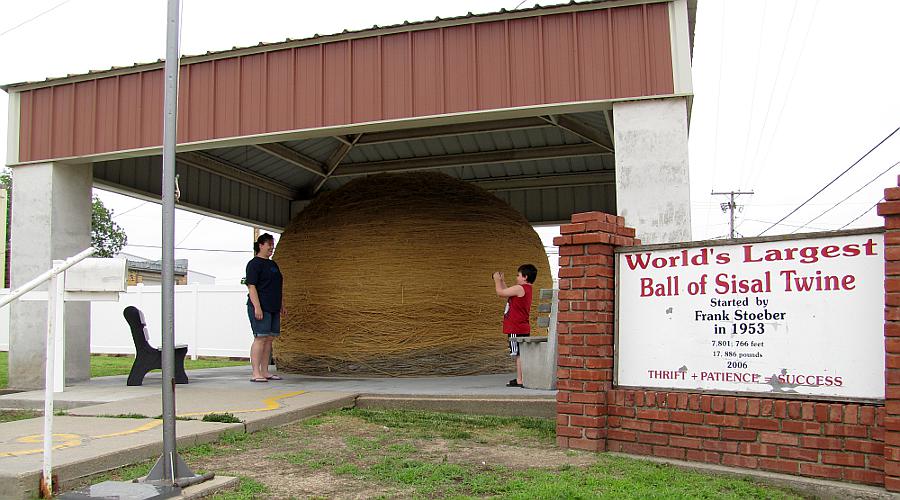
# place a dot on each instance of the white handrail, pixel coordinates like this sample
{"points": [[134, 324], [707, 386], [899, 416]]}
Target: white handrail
{"points": [[55, 305], [53, 271]]}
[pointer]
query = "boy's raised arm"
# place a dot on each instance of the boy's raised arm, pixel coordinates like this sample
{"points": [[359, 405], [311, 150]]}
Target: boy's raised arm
{"points": [[504, 291]]}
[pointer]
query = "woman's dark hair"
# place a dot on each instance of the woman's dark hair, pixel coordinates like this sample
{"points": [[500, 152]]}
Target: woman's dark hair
{"points": [[262, 239]]}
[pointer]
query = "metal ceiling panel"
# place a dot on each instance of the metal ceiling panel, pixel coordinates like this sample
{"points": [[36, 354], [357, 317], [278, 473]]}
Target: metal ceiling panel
{"points": [[199, 189], [319, 149], [468, 143], [556, 205], [259, 162], [542, 188]]}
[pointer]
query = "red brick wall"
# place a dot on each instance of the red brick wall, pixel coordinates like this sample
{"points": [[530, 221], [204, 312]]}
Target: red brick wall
{"points": [[890, 210], [817, 439]]}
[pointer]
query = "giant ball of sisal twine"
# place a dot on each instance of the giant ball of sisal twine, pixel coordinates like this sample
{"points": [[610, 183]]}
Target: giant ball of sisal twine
{"points": [[390, 276]]}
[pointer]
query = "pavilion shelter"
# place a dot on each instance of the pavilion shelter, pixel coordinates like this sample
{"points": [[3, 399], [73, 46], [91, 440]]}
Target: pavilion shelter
{"points": [[557, 110]]}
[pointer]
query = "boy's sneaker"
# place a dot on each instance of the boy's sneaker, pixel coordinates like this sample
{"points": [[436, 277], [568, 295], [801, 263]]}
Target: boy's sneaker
{"points": [[513, 383]]}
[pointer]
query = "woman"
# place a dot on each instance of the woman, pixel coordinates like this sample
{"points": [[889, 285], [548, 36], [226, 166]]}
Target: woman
{"points": [[265, 306]]}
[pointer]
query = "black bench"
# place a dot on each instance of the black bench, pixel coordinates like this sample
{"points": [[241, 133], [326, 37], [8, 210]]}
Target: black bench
{"points": [[146, 356]]}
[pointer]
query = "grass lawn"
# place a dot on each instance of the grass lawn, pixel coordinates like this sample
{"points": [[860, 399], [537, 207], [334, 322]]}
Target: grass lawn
{"points": [[13, 415], [104, 366], [4, 369], [360, 453]]}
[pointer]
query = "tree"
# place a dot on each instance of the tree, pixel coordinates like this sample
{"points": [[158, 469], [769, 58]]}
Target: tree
{"points": [[106, 236]]}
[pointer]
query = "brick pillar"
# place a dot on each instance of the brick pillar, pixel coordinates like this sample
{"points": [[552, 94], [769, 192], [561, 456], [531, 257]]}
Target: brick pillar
{"points": [[586, 326], [890, 210]]}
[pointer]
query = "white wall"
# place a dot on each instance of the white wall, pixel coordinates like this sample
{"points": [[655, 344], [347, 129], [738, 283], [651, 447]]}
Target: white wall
{"points": [[210, 319]]}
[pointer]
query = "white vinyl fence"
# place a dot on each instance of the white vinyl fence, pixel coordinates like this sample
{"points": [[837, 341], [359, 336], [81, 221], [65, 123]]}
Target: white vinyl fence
{"points": [[210, 319]]}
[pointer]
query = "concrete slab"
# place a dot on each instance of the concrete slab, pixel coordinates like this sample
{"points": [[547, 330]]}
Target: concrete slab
{"points": [[118, 489], [257, 408], [208, 488], [87, 445], [109, 389], [123, 490], [88, 393]]}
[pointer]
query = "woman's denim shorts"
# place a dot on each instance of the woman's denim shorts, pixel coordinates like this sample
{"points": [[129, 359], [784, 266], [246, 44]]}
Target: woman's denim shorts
{"points": [[268, 326]]}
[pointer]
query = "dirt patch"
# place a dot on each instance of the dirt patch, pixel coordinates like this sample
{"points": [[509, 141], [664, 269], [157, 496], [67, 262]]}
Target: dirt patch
{"points": [[331, 456], [291, 481], [353, 454], [516, 457]]}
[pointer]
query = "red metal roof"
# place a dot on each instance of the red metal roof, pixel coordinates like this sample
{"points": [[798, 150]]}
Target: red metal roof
{"points": [[576, 52]]}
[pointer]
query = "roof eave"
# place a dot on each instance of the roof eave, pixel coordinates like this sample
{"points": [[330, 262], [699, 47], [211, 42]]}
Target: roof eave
{"points": [[406, 26]]}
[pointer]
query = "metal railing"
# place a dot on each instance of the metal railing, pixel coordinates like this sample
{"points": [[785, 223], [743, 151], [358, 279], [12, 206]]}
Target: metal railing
{"points": [[55, 308]]}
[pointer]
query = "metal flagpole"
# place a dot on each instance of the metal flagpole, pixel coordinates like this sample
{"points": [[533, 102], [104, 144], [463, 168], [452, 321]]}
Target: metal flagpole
{"points": [[170, 466]]}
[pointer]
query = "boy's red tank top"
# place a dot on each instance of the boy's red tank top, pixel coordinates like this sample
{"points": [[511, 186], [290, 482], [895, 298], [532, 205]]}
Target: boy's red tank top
{"points": [[515, 318]]}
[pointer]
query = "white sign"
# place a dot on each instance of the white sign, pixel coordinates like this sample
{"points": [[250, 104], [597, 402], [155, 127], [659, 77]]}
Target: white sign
{"points": [[791, 316], [97, 275]]}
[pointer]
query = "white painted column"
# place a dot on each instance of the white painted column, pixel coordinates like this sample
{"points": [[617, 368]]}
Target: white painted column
{"points": [[51, 219], [652, 182]]}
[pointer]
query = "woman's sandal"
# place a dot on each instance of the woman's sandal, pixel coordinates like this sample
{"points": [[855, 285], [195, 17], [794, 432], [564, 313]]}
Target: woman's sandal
{"points": [[259, 379], [274, 377]]}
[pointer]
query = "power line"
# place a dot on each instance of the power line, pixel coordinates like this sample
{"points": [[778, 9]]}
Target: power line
{"points": [[718, 101], [848, 196], [707, 204], [192, 249], [789, 225], [132, 209], [189, 232], [775, 83], [860, 215], [831, 182], [787, 93], [762, 24], [23, 23]]}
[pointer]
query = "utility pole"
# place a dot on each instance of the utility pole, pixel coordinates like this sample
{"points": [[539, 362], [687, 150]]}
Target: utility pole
{"points": [[730, 206]]}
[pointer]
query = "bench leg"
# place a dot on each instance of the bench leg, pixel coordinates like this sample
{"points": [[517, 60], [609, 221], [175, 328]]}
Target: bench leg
{"points": [[144, 362], [138, 370], [180, 375]]}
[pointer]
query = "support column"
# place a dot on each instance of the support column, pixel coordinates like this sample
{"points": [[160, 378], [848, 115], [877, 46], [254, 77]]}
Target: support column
{"points": [[652, 183], [51, 219], [586, 326], [890, 210]]}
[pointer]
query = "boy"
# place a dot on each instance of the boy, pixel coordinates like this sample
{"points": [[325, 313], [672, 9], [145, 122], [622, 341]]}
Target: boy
{"points": [[517, 312]]}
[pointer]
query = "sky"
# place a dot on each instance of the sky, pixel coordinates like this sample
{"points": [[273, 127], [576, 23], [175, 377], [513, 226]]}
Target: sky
{"points": [[788, 94]]}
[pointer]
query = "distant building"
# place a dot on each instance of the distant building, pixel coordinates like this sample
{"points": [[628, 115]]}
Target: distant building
{"points": [[149, 272], [195, 278]]}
